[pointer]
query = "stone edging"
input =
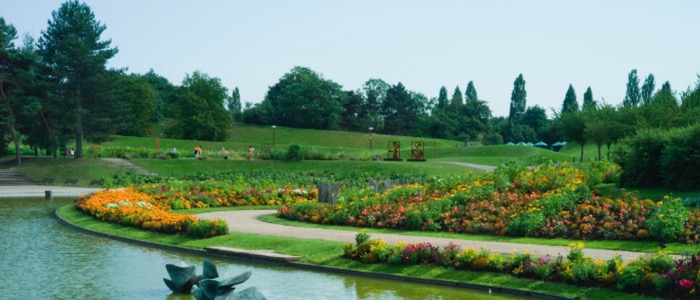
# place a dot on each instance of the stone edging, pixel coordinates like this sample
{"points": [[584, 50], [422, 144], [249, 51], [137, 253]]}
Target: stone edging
{"points": [[240, 256]]}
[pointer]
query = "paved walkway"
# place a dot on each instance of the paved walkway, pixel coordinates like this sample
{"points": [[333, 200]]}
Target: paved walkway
{"points": [[39, 191], [247, 221]]}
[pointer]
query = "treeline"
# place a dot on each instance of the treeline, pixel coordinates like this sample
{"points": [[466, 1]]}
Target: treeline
{"points": [[57, 90]]}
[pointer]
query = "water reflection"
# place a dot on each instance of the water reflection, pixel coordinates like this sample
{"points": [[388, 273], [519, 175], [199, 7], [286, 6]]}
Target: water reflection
{"points": [[43, 259]]}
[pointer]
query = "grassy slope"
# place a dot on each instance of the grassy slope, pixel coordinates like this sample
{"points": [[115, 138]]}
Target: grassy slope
{"points": [[60, 169], [182, 167], [328, 254]]}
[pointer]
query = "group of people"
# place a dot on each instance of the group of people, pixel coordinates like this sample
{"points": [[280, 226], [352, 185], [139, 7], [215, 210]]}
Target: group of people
{"points": [[198, 151]]}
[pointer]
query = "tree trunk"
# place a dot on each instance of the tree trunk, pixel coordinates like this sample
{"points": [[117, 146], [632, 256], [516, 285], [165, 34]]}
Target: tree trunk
{"points": [[15, 137], [581, 159], [79, 125]]}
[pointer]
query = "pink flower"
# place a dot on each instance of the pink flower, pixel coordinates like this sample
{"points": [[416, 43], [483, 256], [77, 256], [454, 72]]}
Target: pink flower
{"points": [[686, 284]]}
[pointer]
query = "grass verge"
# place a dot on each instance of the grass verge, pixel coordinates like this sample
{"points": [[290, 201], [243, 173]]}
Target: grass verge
{"points": [[327, 253], [635, 246]]}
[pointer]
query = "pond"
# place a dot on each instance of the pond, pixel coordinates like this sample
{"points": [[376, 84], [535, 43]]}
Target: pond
{"points": [[43, 259]]}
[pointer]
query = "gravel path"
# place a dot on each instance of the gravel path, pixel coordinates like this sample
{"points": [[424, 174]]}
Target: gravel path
{"points": [[247, 221]]}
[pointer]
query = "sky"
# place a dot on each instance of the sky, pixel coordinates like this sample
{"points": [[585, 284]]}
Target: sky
{"points": [[423, 44]]}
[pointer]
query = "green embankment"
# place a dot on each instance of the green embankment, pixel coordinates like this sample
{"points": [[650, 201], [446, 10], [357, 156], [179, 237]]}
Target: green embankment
{"points": [[326, 253]]}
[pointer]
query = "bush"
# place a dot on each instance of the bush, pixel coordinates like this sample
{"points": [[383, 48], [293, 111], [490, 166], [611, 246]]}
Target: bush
{"points": [[668, 220], [294, 153], [661, 157], [525, 224]]}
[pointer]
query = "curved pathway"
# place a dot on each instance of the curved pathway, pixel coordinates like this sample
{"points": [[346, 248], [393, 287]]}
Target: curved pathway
{"points": [[247, 221], [475, 166]]}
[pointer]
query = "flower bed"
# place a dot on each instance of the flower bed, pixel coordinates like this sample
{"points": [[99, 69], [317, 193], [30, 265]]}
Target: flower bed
{"points": [[545, 201], [657, 275], [186, 194], [129, 207]]}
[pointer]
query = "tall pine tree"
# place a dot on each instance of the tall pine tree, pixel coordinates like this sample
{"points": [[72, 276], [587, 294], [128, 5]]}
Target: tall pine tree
{"points": [[470, 93], [457, 101], [518, 100], [77, 58], [588, 102], [570, 103], [442, 98]]}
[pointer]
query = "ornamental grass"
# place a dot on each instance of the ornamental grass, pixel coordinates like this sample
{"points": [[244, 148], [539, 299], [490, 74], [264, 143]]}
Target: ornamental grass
{"points": [[129, 207]]}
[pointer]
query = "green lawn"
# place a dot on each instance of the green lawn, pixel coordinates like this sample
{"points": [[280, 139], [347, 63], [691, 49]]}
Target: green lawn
{"points": [[60, 169], [182, 167]]}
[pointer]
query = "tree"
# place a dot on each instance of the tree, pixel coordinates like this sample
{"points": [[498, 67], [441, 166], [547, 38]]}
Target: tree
{"points": [[470, 93], [457, 101], [633, 95], [401, 110], [350, 118], [647, 89], [518, 100], [303, 99], [374, 95], [10, 67], [234, 105], [599, 123], [570, 104], [76, 56], [138, 103], [165, 95], [588, 102], [202, 115], [442, 98], [573, 125], [536, 118], [662, 111]]}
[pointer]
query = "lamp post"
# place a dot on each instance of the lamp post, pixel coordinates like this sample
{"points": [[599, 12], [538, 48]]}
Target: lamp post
{"points": [[370, 138], [273, 135]]}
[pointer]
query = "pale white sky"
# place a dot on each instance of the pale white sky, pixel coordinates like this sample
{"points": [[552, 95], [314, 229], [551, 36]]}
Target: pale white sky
{"points": [[423, 44]]}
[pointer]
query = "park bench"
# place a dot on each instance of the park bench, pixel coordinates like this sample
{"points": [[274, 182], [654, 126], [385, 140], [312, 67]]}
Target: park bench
{"points": [[71, 181], [47, 181], [97, 182]]}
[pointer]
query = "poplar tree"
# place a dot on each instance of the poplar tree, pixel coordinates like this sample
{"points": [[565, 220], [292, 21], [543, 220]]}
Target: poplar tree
{"points": [[518, 100], [648, 89], [633, 95]]}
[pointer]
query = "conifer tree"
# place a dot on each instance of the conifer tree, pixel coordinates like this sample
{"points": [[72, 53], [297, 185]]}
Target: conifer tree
{"points": [[588, 102], [570, 103], [518, 100], [470, 93]]}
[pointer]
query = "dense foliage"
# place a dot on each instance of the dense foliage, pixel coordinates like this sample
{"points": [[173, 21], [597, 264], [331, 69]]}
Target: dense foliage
{"points": [[658, 157]]}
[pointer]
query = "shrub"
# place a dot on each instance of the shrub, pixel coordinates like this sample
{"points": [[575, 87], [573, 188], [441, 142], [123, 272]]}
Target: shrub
{"points": [[668, 220], [525, 224], [294, 153]]}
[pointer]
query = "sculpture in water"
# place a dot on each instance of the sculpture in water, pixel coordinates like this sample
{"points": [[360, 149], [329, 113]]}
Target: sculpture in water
{"points": [[208, 286]]}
